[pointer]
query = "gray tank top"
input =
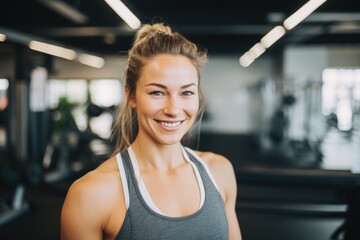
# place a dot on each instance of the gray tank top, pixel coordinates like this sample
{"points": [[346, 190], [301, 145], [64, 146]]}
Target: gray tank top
{"points": [[142, 222]]}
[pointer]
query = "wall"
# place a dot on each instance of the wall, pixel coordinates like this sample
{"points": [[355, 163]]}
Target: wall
{"points": [[114, 68], [226, 87], [344, 57]]}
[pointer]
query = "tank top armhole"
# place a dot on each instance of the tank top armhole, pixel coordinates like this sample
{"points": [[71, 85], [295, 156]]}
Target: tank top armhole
{"points": [[205, 167], [123, 179]]}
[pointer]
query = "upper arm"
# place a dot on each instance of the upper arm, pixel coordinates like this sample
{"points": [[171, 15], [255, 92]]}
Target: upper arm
{"points": [[224, 175], [230, 202], [81, 214]]}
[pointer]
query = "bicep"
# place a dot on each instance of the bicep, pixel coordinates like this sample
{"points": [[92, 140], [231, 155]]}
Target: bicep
{"points": [[234, 229], [78, 221]]}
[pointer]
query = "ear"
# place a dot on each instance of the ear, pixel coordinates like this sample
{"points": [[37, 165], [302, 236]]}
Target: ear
{"points": [[130, 98]]}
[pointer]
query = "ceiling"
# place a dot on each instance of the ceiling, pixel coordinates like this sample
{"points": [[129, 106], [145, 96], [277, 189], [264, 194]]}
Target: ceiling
{"points": [[226, 26]]}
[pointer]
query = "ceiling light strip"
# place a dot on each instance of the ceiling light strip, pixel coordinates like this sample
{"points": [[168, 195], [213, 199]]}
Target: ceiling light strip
{"points": [[52, 50], [2, 37], [302, 13], [123, 11], [277, 32], [246, 59], [271, 37], [257, 50], [91, 60], [66, 10]]}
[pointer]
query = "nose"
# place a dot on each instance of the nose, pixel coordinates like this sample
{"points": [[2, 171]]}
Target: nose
{"points": [[172, 106]]}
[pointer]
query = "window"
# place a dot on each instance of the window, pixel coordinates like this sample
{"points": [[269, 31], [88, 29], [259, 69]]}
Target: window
{"points": [[341, 96], [102, 94]]}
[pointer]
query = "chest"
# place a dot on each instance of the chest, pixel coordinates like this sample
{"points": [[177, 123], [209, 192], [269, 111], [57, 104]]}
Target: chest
{"points": [[175, 194]]}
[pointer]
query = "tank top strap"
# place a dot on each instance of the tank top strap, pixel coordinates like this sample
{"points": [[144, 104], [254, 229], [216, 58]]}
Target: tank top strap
{"points": [[129, 171], [208, 179], [209, 222]]}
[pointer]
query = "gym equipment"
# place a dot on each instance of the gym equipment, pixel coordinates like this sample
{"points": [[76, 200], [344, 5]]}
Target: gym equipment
{"points": [[15, 205], [16, 208], [63, 137], [72, 152], [10, 176], [277, 146]]}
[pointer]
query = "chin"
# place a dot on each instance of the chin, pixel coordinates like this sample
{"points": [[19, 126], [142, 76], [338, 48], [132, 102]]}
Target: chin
{"points": [[169, 141]]}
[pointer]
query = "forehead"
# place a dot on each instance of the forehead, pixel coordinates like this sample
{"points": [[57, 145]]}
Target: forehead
{"points": [[166, 67]]}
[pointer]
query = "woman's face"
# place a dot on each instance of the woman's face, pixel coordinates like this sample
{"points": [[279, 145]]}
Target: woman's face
{"points": [[166, 98]]}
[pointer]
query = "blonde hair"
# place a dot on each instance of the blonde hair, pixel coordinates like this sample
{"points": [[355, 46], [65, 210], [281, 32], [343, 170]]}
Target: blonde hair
{"points": [[151, 40]]}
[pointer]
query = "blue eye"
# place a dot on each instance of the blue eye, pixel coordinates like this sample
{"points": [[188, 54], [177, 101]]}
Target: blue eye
{"points": [[187, 93], [156, 93]]}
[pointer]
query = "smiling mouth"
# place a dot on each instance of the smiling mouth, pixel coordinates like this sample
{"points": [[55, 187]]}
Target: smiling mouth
{"points": [[170, 124]]}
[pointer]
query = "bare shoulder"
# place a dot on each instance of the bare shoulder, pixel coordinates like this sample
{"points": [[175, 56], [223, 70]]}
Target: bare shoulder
{"points": [[222, 170], [216, 162], [97, 182], [88, 209], [96, 189]]}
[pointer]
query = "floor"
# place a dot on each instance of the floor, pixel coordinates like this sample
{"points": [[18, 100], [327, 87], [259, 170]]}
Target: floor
{"points": [[41, 221]]}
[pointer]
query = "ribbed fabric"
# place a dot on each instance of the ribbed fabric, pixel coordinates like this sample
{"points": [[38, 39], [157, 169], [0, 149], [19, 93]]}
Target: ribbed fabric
{"points": [[141, 222]]}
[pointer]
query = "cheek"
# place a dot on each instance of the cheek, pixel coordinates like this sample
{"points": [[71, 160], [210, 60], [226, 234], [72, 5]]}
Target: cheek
{"points": [[148, 107], [192, 107]]}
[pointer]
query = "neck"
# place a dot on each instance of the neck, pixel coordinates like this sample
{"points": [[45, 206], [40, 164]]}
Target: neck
{"points": [[151, 156]]}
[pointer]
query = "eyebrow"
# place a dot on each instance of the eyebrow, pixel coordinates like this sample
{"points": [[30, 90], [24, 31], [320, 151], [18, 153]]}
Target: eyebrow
{"points": [[164, 87]]}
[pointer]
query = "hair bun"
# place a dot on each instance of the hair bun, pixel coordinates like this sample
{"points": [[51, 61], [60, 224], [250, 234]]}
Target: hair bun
{"points": [[150, 30]]}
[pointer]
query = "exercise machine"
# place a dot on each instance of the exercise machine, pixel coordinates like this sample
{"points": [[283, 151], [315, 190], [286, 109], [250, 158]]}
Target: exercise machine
{"points": [[12, 201]]}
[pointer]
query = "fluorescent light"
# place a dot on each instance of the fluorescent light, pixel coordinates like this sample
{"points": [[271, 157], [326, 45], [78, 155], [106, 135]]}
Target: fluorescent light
{"points": [[277, 32], [2, 37], [53, 50], [276, 17], [65, 10], [4, 84], [302, 13], [120, 8], [91, 60], [271, 37], [246, 59], [346, 27], [257, 50]]}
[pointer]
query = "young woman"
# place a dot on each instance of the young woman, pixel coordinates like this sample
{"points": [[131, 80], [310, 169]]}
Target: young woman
{"points": [[154, 187]]}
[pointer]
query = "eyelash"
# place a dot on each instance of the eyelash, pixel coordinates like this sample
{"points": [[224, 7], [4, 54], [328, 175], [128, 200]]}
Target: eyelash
{"points": [[159, 93], [188, 93]]}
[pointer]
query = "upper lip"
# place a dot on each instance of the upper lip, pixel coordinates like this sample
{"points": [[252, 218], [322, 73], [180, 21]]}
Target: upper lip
{"points": [[169, 121]]}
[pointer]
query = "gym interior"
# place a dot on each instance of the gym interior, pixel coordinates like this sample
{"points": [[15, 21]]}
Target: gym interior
{"points": [[282, 104]]}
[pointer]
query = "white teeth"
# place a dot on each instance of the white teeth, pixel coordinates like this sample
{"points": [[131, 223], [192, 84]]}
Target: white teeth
{"points": [[170, 125]]}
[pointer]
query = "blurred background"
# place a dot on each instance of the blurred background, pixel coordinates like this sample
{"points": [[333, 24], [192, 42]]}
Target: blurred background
{"points": [[283, 104]]}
